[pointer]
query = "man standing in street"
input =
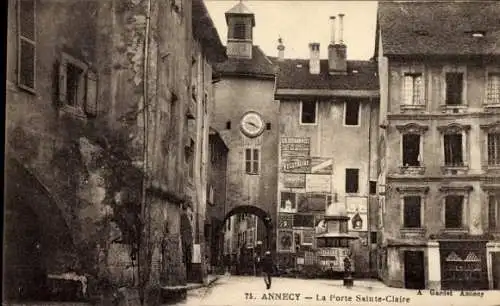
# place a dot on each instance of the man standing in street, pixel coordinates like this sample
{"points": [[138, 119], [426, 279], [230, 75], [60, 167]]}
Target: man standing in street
{"points": [[267, 268]]}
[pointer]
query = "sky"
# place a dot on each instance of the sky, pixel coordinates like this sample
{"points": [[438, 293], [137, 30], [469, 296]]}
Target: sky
{"points": [[299, 23]]}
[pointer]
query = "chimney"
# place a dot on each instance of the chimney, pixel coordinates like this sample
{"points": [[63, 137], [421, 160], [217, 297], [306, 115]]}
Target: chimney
{"points": [[281, 49], [332, 33], [314, 58], [341, 29], [337, 55]]}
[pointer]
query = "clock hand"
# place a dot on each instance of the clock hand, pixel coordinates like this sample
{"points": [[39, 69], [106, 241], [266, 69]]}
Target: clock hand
{"points": [[253, 124]]}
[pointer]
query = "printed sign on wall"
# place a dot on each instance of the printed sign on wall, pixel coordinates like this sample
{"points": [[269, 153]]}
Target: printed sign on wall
{"points": [[357, 208], [285, 220], [318, 183], [285, 241], [295, 154], [294, 180], [321, 165], [288, 201], [295, 146], [313, 202]]}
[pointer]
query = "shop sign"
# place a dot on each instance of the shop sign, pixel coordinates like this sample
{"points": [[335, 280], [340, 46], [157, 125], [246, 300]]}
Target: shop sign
{"points": [[321, 165], [296, 165], [294, 180]]}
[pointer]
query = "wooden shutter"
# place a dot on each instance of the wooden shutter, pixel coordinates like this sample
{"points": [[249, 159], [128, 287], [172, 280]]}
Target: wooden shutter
{"points": [[62, 90], [26, 62], [91, 108]]}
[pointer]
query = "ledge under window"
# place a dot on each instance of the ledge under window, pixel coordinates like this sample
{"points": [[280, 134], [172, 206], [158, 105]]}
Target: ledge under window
{"points": [[409, 107], [76, 112], [462, 230], [412, 170], [491, 105], [454, 108], [409, 232], [454, 170]]}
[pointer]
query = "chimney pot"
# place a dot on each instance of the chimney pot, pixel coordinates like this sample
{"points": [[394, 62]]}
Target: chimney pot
{"points": [[314, 67], [332, 34], [337, 56], [341, 28]]}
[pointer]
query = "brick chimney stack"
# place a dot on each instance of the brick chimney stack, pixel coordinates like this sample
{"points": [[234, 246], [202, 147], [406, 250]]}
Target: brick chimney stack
{"points": [[337, 50], [314, 58]]}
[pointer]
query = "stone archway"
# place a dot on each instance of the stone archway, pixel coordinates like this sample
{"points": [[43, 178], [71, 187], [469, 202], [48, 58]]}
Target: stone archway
{"points": [[261, 214], [36, 234]]}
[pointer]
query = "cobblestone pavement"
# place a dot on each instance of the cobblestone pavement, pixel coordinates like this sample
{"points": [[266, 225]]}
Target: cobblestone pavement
{"points": [[236, 290]]}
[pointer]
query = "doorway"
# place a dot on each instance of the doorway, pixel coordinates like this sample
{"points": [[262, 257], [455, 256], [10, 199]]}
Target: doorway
{"points": [[414, 269], [495, 265]]}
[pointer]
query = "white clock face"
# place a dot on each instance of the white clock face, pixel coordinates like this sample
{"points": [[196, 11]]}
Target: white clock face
{"points": [[252, 124]]}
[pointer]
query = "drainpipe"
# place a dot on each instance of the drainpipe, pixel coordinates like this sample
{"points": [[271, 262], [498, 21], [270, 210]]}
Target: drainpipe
{"points": [[368, 219], [145, 230]]}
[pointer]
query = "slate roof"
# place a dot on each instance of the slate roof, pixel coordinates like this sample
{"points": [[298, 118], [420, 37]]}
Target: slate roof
{"points": [[258, 66], [240, 9], [294, 74], [449, 26], [204, 30]]}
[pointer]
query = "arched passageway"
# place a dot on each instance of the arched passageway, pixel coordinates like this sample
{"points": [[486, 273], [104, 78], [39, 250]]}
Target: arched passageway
{"points": [[243, 254], [35, 234]]}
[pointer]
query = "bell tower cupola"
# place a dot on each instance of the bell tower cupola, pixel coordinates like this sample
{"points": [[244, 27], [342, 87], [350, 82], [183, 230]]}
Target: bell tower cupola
{"points": [[240, 22]]}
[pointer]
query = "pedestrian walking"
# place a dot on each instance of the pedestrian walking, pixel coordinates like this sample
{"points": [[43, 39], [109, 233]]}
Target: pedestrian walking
{"points": [[267, 268]]}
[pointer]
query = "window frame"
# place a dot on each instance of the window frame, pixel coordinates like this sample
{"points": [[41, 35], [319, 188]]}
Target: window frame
{"points": [[413, 75], [84, 106], [346, 181], [240, 25], [405, 205], [316, 105], [410, 191], [490, 71], [464, 192], [20, 39], [359, 113], [252, 160], [456, 128], [454, 69], [412, 129], [496, 197], [487, 129]]}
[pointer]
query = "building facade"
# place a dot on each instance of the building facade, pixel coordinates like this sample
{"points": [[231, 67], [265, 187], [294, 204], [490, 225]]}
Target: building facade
{"points": [[105, 85], [324, 104], [438, 183], [246, 117]]}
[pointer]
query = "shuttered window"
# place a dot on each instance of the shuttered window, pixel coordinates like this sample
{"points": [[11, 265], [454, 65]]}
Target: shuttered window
{"points": [[26, 63], [77, 86]]}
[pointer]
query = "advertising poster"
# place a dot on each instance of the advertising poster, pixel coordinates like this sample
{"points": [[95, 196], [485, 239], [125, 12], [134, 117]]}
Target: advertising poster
{"points": [[357, 208], [294, 180]]}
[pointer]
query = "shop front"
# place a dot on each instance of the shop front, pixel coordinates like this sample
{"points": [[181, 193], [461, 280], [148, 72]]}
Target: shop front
{"points": [[463, 265]]}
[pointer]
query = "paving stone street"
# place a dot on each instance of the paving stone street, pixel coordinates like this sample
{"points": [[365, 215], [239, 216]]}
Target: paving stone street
{"points": [[236, 290]]}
